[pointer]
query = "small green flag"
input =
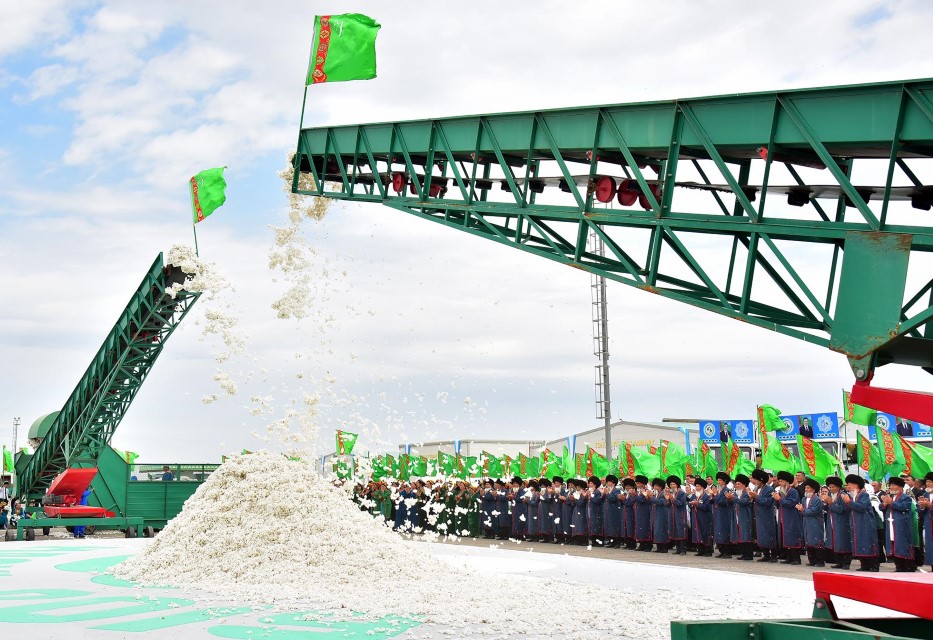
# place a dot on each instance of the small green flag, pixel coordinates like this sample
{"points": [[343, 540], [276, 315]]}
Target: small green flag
{"points": [[626, 460], [673, 460], [550, 464], [856, 413], [7, 460], [893, 460], [345, 442], [207, 192], [706, 465], [774, 455], [769, 418], [596, 464], [816, 461], [344, 48], [492, 465], [567, 465], [446, 462], [647, 462], [868, 457], [468, 466], [921, 459], [419, 466], [527, 467], [734, 462]]}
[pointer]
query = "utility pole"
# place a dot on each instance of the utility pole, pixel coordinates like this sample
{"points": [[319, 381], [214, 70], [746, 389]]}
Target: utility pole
{"points": [[16, 423], [601, 345]]}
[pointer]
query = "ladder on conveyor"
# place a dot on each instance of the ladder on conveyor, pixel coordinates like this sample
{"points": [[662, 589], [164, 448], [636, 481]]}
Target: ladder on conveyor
{"points": [[98, 403]]}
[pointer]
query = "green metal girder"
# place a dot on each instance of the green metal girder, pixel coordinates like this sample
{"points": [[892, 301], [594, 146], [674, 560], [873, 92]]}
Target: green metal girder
{"points": [[98, 403], [651, 143]]}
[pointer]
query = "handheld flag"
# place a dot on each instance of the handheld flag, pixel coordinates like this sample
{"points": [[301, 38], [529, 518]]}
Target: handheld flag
{"points": [[817, 461], [8, 460], [207, 192], [734, 462], [869, 458], [891, 451], [345, 442], [673, 460], [856, 413], [344, 48], [769, 418]]}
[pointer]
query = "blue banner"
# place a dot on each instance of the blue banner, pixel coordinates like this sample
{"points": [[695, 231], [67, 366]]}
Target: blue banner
{"points": [[718, 431], [816, 426], [903, 427]]}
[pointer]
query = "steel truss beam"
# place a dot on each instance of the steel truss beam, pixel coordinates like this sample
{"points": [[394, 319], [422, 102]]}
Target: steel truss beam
{"points": [[95, 408], [449, 170]]}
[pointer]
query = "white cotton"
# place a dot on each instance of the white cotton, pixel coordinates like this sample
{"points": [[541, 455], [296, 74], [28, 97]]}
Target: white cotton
{"points": [[267, 530]]}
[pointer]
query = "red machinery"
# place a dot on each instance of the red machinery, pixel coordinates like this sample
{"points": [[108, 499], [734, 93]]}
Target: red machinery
{"points": [[64, 495], [909, 593]]}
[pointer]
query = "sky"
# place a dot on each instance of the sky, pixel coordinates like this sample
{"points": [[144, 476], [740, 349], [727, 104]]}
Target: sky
{"points": [[417, 332]]}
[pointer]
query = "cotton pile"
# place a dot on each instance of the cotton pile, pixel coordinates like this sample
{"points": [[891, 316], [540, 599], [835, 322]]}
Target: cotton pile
{"points": [[267, 530]]}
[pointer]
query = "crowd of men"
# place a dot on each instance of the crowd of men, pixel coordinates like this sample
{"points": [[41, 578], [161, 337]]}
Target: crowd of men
{"points": [[774, 517]]}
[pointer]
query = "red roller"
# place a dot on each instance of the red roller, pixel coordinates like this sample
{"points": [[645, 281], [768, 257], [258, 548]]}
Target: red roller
{"points": [[627, 195], [605, 189], [398, 182], [643, 199]]}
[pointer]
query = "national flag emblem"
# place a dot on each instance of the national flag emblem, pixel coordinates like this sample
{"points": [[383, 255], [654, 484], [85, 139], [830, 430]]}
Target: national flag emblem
{"points": [[208, 192], [344, 48]]}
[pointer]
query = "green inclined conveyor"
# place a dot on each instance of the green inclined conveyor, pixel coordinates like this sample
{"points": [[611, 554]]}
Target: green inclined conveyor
{"points": [[80, 433]]}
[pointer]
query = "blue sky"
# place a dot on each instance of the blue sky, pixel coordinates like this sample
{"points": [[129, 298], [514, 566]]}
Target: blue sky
{"points": [[106, 108]]}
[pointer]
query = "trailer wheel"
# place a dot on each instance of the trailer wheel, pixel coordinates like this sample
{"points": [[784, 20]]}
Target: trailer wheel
{"points": [[131, 532], [46, 530], [9, 535], [30, 533], [149, 532], [70, 529], [90, 530]]}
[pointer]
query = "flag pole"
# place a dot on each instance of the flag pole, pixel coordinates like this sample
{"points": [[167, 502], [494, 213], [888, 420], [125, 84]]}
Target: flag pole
{"points": [[195, 230]]}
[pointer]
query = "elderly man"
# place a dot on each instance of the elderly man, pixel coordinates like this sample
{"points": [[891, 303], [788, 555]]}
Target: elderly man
{"points": [[900, 523], [838, 524], [864, 530], [789, 520]]}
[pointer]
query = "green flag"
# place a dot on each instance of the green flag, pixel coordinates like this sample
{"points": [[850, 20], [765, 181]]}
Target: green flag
{"points": [[419, 466], [596, 464], [467, 466], [893, 461], [626, 460], [856, 413], [734, 462], [921, 459], [567, 466], [492, 466], [344, 48], [774, 455], [769, 418], [527, 467], [868, 457], [817, 462], [550, 464], [7, 460], [647, 463], [709, 463], [446, 463], [345, 442], [207, 192], [673, 460]]}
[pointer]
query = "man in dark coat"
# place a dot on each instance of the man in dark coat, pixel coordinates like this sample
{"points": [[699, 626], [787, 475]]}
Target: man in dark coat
{"points": [[838, 524], [628, 513], [678, 500], [660, 516], [743, 510], [812, 510], [642, 513], [864, 529], [503, 522], [723, 517], [765, 523], [519, 509], [789, 519], [566, 511], [701, 513], [579, 525], [545, 511], [612, 512], [900, 525], [594, 511], [532, 498], [489, 523], [925, 508]]}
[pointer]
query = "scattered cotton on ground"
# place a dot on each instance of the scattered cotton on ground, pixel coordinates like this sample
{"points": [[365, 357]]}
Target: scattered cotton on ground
{"points": [[267, 530]]}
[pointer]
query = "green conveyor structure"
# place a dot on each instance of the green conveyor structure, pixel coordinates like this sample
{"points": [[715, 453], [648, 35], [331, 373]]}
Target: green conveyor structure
{"points": [[807, 212], [81, 431]]}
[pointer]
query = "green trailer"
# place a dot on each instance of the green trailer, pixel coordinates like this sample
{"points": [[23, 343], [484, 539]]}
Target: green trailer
{"points": [[137, 494]]}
